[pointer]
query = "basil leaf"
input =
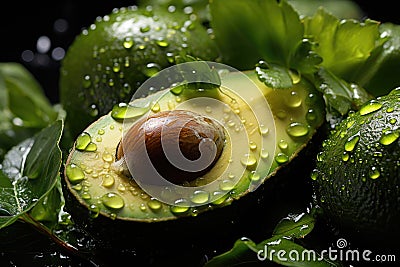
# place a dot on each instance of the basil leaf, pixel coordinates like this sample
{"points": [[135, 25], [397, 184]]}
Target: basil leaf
{"points": [[39, 158]]}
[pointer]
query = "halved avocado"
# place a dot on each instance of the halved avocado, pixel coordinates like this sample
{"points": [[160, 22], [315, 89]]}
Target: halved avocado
{"points": [[104, 196]]}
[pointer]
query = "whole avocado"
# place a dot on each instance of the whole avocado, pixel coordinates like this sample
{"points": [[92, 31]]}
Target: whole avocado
{"points": [[110, 59], [357, 175]]}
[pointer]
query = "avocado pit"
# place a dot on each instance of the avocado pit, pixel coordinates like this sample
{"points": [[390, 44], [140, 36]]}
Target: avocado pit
{"points": [[181, 145]]}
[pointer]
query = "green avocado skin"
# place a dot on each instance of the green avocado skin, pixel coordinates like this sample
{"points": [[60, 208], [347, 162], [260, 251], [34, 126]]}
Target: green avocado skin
{"points": [[357, 175], [110, 59]]}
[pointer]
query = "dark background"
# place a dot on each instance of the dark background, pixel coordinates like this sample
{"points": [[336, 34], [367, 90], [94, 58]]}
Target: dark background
{"points": [[22, 23]]}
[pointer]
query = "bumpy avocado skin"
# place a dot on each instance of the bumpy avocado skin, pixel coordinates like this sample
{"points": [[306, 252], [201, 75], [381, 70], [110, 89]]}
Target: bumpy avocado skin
{"points": [[110, 59], [357, 175]]}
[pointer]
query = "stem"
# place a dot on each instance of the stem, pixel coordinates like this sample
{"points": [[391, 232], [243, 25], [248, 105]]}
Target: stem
{"points": [[62, 243]]}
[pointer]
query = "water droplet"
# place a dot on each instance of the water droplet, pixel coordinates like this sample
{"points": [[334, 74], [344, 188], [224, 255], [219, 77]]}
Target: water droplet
{"points": [[200, 197], [311, 116], [151, 69], [297, 129], [252, 145], [345, 156], [145, 28], [116, 67], [293, 100], [107, 157], [83, 141], [91, 147], [320, 156], [177, 90], [181, 206], [86, 83], [156, 107], [108, 181], [154, 204], [128, 42], [113, 201], [125, 111], [370, 107], [94, 211], [93, 111], [263, 129], [254, 176], [162, 43], [283, 145], [281, 114], [264, 153], [74, 173], [281, 158], [314, 174], [351, 142], [374, 173], [249, 160], [389, 137], [227, 185], [219, 198]]}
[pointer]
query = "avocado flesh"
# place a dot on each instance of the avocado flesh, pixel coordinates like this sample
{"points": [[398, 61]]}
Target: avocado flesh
{"points": [[296, 115], [357, 175]]}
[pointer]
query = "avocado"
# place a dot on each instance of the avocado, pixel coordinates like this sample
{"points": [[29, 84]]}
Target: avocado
{"points": [[357, 176], [258, 143], [111, 58]]}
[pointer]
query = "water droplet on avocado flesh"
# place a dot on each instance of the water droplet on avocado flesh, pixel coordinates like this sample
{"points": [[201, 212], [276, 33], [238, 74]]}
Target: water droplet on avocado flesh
{"points": [[360, 171], [269, 143]]}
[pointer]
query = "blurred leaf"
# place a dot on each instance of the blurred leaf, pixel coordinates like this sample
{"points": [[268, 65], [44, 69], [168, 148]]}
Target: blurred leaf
{"points": [[249, 31], [24, 109], [379, 74], [39, 158]]}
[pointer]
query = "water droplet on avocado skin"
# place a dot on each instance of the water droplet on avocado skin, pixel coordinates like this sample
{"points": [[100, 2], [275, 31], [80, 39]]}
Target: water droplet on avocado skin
{"points": [[370, 107]]}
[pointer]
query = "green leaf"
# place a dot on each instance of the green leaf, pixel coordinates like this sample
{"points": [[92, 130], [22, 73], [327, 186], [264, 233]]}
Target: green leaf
{"points": [[26, 98], [295, 226], [340, 8], [379, 74], [252, 30], [340, 96], [344, 45], [24, 109], [241, 254], [281, 248], [32, 168], [273, 75]]}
